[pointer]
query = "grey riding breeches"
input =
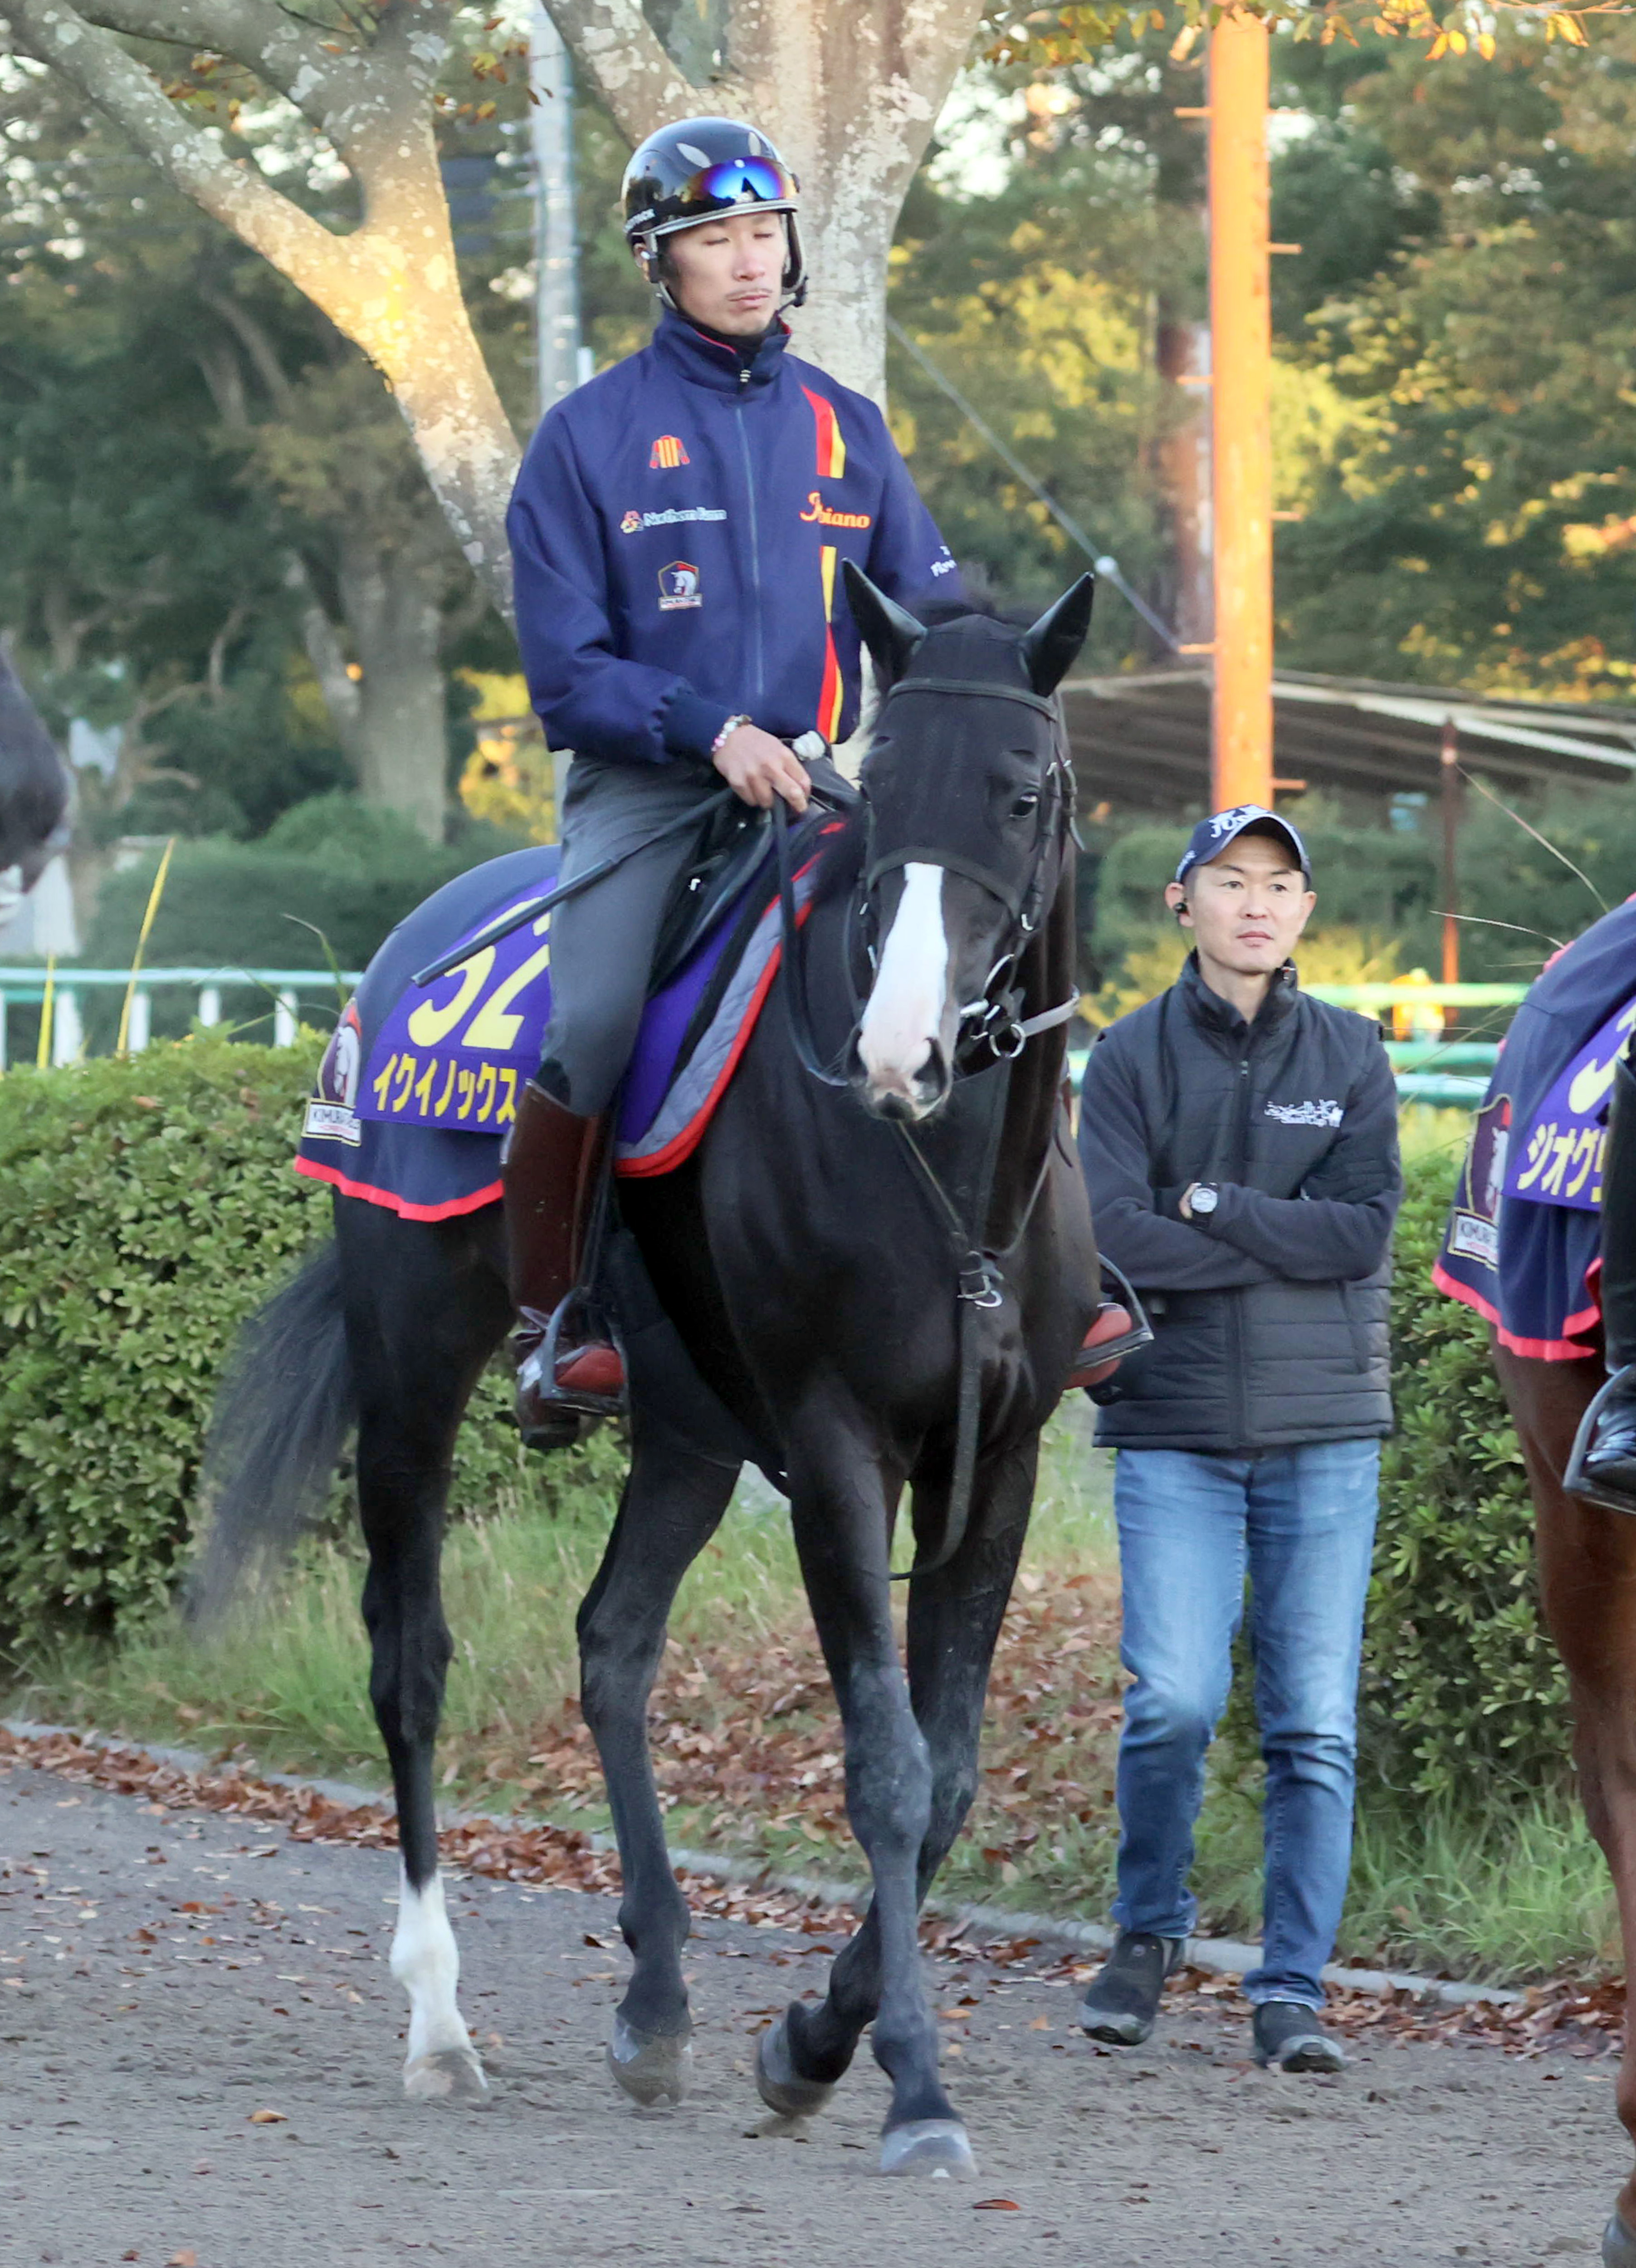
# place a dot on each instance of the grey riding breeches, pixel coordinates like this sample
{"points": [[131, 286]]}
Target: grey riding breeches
{"points": [[602, 941]]}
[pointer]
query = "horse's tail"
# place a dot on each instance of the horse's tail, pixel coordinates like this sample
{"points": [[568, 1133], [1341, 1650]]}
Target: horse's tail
{"points": [[282, 1413]]}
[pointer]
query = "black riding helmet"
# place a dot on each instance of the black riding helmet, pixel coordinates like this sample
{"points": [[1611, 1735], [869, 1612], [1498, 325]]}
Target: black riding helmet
{"points": [[696, 171]]}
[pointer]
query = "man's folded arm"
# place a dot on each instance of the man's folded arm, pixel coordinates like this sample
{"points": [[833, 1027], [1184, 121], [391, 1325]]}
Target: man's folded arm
{"points": [[1157, 1254], [1338, 1229]]}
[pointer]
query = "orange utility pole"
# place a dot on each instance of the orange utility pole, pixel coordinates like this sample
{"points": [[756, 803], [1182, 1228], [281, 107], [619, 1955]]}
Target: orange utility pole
{"points": [[1241, 360]]}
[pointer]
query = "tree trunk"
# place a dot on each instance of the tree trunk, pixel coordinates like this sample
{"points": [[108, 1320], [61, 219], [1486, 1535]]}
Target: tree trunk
{"points": [[397, 735]]}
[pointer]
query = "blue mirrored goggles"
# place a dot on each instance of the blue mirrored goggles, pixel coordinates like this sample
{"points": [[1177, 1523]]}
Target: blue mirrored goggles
{"points": [[740, 180]]}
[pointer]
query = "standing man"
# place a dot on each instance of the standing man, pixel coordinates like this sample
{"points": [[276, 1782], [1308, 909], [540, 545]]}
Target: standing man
{"points": [[678, 529], [1240, 1145]]}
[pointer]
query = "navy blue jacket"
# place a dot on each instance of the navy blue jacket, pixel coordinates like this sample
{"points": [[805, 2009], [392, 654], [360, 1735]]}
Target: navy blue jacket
{"points": [[678, 529]]}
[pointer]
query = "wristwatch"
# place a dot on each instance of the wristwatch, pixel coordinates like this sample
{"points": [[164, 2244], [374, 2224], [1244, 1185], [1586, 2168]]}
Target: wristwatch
{"points": [[1205, 1199]]}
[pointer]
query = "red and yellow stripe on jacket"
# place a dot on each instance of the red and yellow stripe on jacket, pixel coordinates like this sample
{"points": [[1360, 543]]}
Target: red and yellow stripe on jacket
{"points": [[831, 448], [829, 698]]}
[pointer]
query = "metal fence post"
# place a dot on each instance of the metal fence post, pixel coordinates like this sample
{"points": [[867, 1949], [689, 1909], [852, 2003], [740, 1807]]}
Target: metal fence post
{"points": [[284, 1020]]}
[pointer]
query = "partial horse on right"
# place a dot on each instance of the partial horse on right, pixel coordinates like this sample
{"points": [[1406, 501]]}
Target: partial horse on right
{"points": [[1542, 1241]]}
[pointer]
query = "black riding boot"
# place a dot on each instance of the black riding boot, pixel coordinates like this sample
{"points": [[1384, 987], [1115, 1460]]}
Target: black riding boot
{"points": [[1603, 1465], [551, 1171]]}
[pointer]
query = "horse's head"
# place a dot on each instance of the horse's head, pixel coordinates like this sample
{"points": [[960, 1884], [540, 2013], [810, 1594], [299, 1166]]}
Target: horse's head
{"points": [[968, 796]]}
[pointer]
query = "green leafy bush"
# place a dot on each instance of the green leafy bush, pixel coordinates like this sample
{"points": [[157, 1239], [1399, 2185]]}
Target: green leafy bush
{"points": [[1462, 1690], [150, 1206]]}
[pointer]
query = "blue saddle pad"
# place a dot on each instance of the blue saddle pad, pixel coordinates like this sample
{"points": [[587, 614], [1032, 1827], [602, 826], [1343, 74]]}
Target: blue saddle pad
{"points": [[418, 1084]]}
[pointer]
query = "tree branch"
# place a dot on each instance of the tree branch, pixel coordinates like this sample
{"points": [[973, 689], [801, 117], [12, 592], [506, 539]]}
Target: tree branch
{"points": [[614, 45], [266, 40], [129, 95]]}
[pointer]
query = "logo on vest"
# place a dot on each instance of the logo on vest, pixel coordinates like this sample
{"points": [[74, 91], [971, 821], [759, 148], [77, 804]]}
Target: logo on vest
{"points": [[679, 586], [667, 454], [819, 512], [1306, 1113]]}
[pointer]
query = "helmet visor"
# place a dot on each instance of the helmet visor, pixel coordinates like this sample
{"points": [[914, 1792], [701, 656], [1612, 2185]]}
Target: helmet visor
{"points": [[735, 181]]}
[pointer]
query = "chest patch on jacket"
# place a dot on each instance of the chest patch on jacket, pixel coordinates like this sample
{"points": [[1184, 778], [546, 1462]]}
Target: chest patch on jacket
{"points": [[667, 454], [1305, 1113], [679, 586]]}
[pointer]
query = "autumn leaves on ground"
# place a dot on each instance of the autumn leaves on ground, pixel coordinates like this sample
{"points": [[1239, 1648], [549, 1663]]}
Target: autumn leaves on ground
{"points": [[747, 1742]]}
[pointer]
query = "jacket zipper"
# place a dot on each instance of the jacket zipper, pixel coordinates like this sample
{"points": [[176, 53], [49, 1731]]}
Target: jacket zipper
{"points": [[1241, 1386], [755, 542]]}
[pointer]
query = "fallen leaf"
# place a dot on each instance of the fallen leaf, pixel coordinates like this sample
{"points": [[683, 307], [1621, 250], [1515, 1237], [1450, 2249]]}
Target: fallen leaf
{"points": [[269, 2119], [1040, 2024], [996, 2205], [186, 2258]]}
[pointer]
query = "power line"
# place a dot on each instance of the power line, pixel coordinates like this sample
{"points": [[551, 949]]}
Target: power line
{"points": [[1105, 564]]}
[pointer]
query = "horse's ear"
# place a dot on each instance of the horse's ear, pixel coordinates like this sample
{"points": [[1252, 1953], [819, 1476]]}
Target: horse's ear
{"points": [[889, 631], [1052, 647]]}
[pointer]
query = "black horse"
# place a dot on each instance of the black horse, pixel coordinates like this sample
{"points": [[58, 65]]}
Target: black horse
{"points": [[33, 793], [865, 1251]]}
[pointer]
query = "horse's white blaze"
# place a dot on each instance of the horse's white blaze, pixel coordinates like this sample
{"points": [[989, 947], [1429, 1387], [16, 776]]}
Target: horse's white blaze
{"points": [[906, 1007], [426, 1961]]}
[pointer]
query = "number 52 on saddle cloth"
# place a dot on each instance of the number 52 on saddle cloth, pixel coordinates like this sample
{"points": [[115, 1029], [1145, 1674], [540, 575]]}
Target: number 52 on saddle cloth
{"points": [[1534, 1161], [419, 1085]]}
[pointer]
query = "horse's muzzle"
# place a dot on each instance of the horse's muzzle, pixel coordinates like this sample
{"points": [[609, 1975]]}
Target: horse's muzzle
{"points": [[905, 1098]]}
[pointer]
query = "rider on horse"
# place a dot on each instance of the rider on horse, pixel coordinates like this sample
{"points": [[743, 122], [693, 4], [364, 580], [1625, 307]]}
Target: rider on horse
{"points": [[678, 529]]}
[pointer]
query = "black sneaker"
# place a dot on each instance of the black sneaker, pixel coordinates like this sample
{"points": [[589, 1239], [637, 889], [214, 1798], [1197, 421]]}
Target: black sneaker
{"points": [[1122, 2004], [1289, 2037]]}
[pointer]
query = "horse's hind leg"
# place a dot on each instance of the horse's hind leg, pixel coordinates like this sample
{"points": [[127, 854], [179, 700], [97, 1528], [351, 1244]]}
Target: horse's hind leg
{"points": [[424, 1313], [954, 1622], [672, 1503]]}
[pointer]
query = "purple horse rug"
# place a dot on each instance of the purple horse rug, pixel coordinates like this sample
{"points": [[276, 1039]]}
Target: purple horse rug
{"points": [[1533, 1167], [419, 1085]]}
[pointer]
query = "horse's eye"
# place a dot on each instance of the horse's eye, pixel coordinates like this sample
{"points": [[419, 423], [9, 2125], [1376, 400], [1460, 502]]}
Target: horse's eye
{"points": [[1029, 800]]}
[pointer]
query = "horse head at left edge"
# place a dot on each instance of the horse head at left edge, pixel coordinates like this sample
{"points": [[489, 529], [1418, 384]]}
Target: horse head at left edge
{"points": [[34, 791], [968, 807]]}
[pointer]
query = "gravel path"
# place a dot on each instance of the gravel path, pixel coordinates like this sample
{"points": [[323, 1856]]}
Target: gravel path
{"points": [[164, 1978]]}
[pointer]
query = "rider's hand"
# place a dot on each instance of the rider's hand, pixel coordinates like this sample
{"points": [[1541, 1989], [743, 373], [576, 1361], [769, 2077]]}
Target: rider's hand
{"points": [[757, 767]]}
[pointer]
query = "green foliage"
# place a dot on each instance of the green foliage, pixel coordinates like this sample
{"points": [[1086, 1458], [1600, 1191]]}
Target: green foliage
{"points": [[150, 1208], [330, 879], [1463, 1694]]}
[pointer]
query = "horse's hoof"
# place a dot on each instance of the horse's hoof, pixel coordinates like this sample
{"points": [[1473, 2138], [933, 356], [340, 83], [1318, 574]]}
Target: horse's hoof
{"points": [[779, 2084], [1619, 2245], [937, 2147], [652, 2068], [450, 2075]]}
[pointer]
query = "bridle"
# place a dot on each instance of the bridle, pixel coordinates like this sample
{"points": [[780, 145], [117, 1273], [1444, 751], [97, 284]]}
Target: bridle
{"points": [[992, 1030]]}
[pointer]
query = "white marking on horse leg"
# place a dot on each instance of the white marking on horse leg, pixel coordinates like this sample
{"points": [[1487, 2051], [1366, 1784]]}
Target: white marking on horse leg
{"points": [[426, 1961], [904, 1013]]}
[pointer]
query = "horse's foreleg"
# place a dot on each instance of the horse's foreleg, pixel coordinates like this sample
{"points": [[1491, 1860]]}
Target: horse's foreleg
{"points": [[423, 1317], [672, 1502], [954, 1623], [839, 1501], [1587, 1589]]}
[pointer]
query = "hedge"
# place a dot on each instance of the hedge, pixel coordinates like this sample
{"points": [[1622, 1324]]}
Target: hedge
{"points": [[148, 1207], [1462, 1690]]}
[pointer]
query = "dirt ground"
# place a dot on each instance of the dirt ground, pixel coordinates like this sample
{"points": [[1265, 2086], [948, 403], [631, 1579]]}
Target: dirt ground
{"points": [[145, 2022]]}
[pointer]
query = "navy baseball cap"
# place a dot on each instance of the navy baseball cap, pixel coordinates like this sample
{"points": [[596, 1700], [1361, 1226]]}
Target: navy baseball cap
{"points": [[1212, 836]]}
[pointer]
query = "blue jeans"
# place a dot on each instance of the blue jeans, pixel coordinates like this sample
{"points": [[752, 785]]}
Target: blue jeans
{"points": [[1301, 1523]]}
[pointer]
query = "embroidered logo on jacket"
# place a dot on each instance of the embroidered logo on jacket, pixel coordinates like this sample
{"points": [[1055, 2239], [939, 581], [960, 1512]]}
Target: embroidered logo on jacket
{"points": [[667, 454], [818, 511], [679, 586], [634, 520], [1306, 1113]]}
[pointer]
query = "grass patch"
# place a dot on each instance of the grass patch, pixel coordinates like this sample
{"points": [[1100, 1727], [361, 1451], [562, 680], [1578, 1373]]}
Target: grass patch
{"points": [[748, 1751]]}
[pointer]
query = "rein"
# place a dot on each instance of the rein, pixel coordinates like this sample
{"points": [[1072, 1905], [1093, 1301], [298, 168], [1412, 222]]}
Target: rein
{"points": [[998, 1026]]}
